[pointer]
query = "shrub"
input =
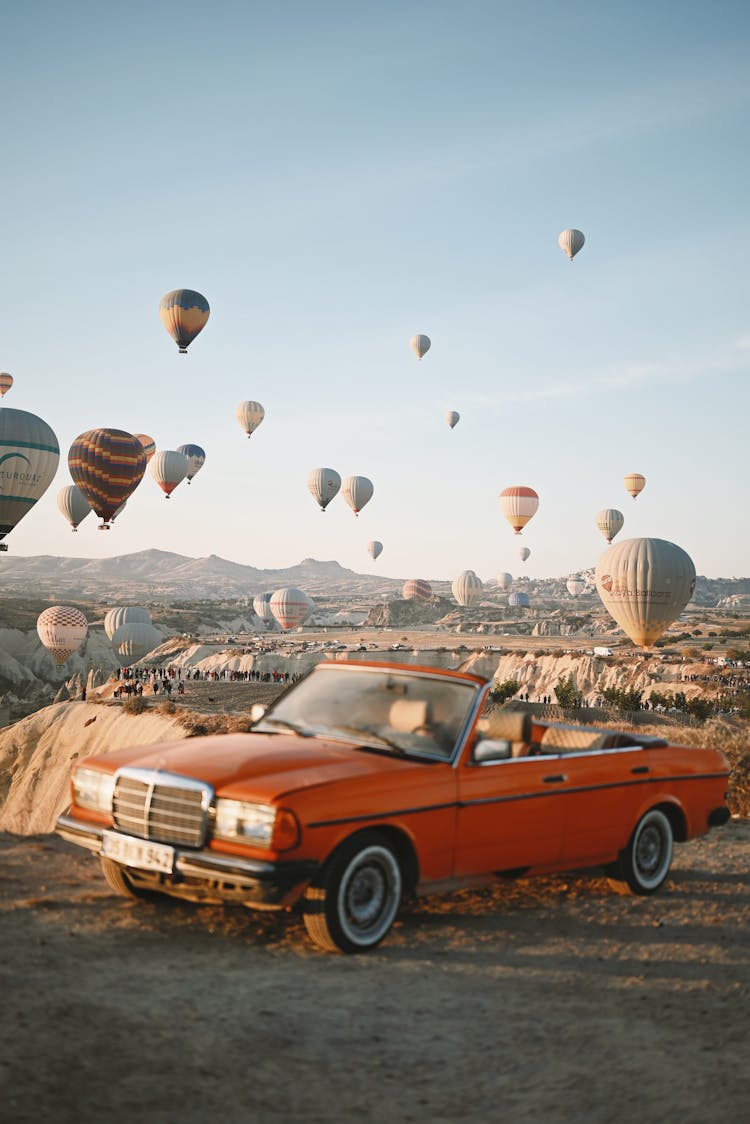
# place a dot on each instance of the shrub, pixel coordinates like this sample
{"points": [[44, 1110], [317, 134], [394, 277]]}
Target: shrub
{"points": [[501, 692], [136, 704]]}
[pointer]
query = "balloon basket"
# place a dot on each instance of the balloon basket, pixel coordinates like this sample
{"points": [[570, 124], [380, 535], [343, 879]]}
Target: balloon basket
{"points": [[3, 546], [103, 527]]}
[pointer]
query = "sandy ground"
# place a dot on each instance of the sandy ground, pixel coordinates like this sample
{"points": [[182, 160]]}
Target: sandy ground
{"points": [[551, 999]]}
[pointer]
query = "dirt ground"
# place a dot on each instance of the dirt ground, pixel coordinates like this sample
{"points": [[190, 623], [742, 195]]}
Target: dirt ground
{"points": [[552, 999]]}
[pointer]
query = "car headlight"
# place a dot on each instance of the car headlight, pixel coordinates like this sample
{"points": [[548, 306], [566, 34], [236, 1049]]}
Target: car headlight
{"points": [[258, 825], [93, 789]]}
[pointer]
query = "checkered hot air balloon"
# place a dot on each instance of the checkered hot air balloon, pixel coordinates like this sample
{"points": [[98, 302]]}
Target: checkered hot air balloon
{"points": [[62, 629]]}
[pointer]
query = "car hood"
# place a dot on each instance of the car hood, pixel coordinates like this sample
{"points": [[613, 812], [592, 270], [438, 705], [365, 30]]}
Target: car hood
{"points": [[264, 766]]}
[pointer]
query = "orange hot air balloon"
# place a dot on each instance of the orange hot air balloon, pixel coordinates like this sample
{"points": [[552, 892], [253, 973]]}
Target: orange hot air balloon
{"points": [[149, 445], [416, 589], [635, 483], [107, 465], [6, 382], [184, 313], [518, 504]]}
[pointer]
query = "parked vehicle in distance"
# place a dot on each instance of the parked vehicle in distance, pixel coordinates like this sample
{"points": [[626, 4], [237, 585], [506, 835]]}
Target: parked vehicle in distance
{"points": [[367, 781]]}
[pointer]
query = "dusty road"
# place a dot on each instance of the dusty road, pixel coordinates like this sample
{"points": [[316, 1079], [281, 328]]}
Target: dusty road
{"points": [[554, 1000]]}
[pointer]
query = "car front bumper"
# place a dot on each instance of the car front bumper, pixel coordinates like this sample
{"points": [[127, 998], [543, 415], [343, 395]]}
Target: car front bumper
{"points": [[221, 877]]}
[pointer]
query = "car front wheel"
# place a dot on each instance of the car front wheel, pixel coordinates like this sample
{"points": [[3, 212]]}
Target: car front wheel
{"points": [[353, 903], [118, 880], [645, 862]]}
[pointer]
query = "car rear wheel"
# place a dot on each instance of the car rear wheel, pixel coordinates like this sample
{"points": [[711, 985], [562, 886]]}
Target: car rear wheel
{"points": [[353, 903], [645, 862], [118, 880]]}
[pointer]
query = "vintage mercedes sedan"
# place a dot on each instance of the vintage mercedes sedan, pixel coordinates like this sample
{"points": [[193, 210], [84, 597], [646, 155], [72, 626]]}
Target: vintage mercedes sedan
{"points": [[368, 781]]}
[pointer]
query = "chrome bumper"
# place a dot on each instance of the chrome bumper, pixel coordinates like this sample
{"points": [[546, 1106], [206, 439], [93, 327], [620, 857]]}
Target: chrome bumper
{"points": [[267, 883]]}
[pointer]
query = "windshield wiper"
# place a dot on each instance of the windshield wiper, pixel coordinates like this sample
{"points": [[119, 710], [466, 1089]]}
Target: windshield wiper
{"points": [[368, 736], [292, 727]]}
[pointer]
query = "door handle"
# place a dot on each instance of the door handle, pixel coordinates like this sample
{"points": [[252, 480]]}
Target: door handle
{"points": [[556, 778], [640, 769]]}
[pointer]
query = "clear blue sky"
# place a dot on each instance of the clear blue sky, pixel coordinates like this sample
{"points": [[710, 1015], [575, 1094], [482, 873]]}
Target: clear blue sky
{"points": [[336, 177]]}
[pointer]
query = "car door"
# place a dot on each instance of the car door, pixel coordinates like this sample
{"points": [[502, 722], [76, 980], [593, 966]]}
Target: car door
{"points": [[509, 815]]}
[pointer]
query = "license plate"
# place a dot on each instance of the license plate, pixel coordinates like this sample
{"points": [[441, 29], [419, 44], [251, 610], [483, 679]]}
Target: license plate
{"points": [[137, 852]]}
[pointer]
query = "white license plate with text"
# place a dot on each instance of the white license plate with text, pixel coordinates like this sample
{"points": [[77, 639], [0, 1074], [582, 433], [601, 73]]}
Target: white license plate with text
{"points": [[137, 852]]}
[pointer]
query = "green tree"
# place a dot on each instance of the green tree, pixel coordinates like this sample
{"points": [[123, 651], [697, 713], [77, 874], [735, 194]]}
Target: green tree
{"points": [[501, 692], [566, 693]]}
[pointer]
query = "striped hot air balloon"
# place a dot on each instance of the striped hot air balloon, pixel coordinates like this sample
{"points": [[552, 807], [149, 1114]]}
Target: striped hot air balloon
{"points": [[196, 459], [169, 468], [107, 465], [374, 548], [62, 629], [73, 505], [290, 607], [420, 345], [29, 456], [149, 445], [134, 640], [416, 589], [644, 585], [262, 607], [124, 614], [571, 241], [323, 485], [250, 415], [357, 491], [505, 581], [467, 588], [184, 313], [518, 504], [610, 522], [6, 382], [634, 483]]}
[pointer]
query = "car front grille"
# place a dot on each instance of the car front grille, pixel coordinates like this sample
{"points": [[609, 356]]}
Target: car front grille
{"points": [[161, 806]]}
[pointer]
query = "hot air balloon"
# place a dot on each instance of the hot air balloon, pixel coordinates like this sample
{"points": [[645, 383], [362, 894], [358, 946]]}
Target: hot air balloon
{"points": [[635, 483], [323, 484], [169, 468], [29, 455], [518, 600], [134, 640], [416, 589], [124, 614], [374, 548], [62, 630], [250, 415], [290, 606], [524, 553], [357, 491], [107, 465], [571, 241], [420, 345], [6, 382], [184, 313], [610, 522], [518, 504], [73, 505], [644, 585], [196, 459], [505, 581], [149, 445], [575, 586], [453, 418], [467, 588]]}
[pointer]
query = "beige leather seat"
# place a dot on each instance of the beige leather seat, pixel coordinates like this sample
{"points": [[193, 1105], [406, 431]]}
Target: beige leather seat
{"points": [[508, 725], [573, 739], [409, 716]]}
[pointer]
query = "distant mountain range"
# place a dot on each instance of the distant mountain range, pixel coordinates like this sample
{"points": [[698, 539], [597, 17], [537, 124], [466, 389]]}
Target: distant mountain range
{"points": [[159, 575]]}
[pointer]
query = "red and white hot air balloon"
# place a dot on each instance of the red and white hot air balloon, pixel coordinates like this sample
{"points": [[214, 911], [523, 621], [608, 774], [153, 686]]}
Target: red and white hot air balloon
{"points": [[416, 589], [518, 504], [290, 607], [169, 468]]}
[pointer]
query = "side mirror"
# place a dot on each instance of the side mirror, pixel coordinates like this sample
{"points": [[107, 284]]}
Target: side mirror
{"points": [[492, 749], [257, 710]]}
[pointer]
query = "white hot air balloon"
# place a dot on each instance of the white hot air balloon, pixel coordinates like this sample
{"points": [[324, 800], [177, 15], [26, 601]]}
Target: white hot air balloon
{"points": [[168, 468], [453, 418], [290, 607], [124, 614], [610, 522], [575, 586], [323, 485], [250, 415], [134, 640], [644, 585], [62, 629], [357, 491], [73, 505], [504, 581], [29, 456], [571, 241], [374, 548], [635, 482], [420, 345], [262, 607], [524, 553], [467, 588]]}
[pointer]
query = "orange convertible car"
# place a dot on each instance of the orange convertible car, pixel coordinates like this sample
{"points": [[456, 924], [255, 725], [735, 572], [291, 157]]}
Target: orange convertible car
{"points": [[366, 781]]}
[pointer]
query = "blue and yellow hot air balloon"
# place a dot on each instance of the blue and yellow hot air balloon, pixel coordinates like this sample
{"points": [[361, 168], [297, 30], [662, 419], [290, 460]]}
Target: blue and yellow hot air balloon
{"points": [[107, 465], [184, 314]]}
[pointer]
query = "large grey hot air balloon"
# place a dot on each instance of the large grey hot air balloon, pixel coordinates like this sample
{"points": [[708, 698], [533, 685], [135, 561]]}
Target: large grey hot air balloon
{"points": [[290, 607], [374, 548], [29, 456], [505, 581], [420, 345], [416, 589], [644, 585], [571, 241], [467, 588], [168, 468], [575, 586], [124, 614], [250, 415], [135, 640], [610, 522], [357, 491], [73, 505], [323, 485], [62, 629], [453, 418]]}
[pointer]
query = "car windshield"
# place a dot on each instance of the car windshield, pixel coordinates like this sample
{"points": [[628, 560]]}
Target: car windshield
{"points": [[381, 709]]}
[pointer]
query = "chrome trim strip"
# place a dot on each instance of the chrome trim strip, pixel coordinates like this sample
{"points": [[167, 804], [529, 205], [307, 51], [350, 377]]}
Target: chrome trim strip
{"points": [[382, 815]]}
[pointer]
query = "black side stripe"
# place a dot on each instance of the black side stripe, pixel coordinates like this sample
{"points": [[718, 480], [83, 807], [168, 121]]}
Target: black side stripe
{"points": [[511, 799]]}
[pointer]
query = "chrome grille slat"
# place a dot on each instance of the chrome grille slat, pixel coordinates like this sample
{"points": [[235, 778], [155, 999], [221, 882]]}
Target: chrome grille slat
{"points": [[164, 807]]}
